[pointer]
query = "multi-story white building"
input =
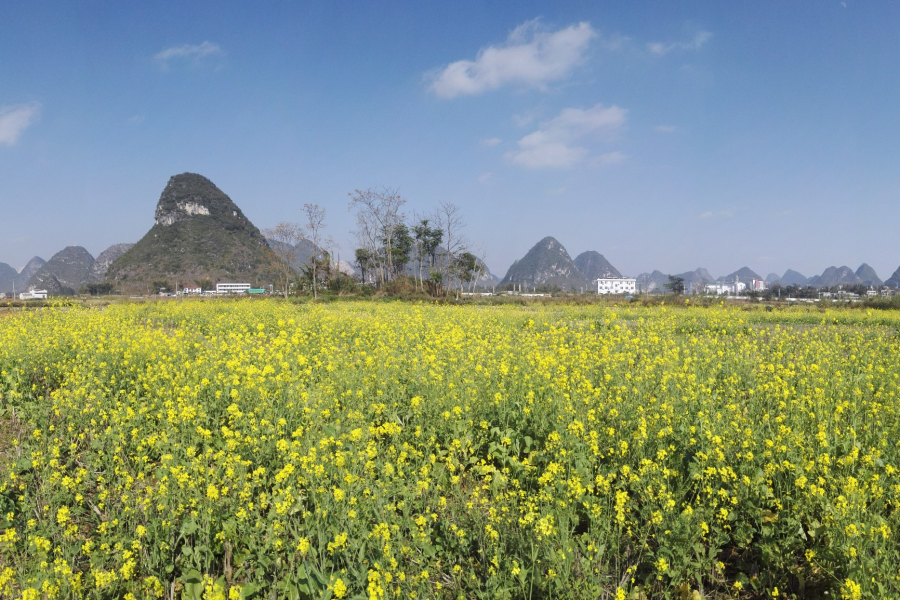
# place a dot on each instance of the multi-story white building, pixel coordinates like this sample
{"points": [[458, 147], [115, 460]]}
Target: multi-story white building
{"points": [[188, 290], [232, 288], [726, 288], [616, 285]]}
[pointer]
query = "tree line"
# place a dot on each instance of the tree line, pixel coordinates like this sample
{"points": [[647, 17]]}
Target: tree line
{"points": [[430, 249]]}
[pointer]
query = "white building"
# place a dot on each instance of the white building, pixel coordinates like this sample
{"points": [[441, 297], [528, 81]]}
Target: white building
{"points": [[758, 285], [726, 288], [33, 295], [616, 285], [232, 288], [191, 290]]}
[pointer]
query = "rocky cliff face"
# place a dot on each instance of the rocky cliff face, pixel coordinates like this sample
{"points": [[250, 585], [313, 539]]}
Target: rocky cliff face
{"points": [[106, 258], [198, 233], [546, 264], [190, 195]]}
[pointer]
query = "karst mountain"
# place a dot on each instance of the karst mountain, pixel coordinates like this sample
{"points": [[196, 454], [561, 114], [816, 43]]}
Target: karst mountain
{"points": [[198, 234]]}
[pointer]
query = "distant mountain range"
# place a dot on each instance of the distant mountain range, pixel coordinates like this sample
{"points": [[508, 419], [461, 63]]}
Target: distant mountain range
{"points": [[548, 264], [12, 280], [62, 275], [791, 277], [199, 233], [745, 274]]}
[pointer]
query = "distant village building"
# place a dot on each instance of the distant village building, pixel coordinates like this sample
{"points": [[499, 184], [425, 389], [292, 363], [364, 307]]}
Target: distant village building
{"points": [[33, 295], [187, 290], [616, 285], [726, 288], [757, 285], [232, 288]]}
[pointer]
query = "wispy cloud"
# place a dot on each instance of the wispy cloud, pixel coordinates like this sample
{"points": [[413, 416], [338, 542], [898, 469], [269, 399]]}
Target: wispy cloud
{"points": [[665, 128], [137, 119], [526, 118], [615, 42], [553, 144], [712, 214], [663, 48], [15, 119], [490, 142], [192, 54], [786, 213], [530, 57], [484, 177]]}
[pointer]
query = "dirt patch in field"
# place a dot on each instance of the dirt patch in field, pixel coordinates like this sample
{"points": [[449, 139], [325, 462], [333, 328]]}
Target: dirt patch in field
{"points": [[10, 430]]}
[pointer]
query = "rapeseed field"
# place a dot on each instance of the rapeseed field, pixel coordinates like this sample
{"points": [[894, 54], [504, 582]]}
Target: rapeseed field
{"points": [[360, 450]]}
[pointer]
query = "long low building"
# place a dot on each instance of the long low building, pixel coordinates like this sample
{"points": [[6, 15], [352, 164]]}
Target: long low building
{"points": [[726, 288], [616, 285], [33, 295], [232, 288]]}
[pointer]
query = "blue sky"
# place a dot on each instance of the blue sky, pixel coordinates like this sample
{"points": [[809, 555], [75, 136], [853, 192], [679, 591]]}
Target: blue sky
{"points": [[663, 135]]}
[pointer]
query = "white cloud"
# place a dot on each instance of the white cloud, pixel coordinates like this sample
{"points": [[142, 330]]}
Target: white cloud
{"points": [[137, 119], [663, 48], [553, 144], [491, 142], [194, 54], [709, 214], [484, 177], [665, 128], [16, 119], [529, 57]]}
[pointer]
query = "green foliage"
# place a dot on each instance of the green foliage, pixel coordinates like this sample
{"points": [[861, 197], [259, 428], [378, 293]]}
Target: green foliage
{"points": [[96, 289], [675, 285], [160, 286], [401, 249]]}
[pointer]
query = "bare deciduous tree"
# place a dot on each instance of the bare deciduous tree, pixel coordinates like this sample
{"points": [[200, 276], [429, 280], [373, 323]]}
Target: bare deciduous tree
{"points": [[448, 217], [378, 217], [313, 234], [283, 240]]}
